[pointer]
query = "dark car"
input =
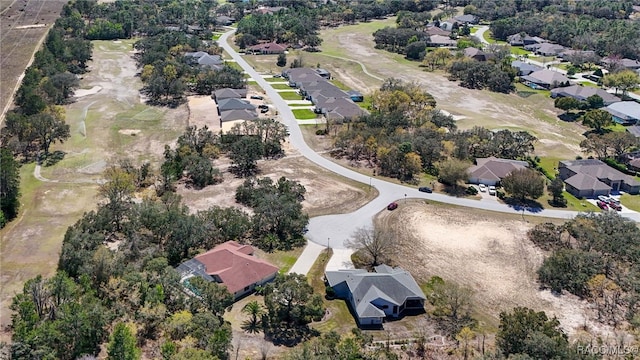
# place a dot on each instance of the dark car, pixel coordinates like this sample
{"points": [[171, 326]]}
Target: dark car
{"points": [[615, 206], [602, 205], [263, 106], [262, 111], [256, 97], [425, 189], [392, 206]]}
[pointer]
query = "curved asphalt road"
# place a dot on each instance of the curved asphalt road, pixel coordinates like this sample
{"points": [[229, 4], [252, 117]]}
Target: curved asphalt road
{"points": [[333, 230]]}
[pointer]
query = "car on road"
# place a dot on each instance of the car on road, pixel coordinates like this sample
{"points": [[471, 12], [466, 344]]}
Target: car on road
{"points": [[602, 205], [425, 189], [482, 187], [492, 190], [257, 97], [392, 206]]}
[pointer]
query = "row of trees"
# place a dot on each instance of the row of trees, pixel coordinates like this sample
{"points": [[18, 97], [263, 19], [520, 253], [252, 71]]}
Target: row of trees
{"points": [[291, 26], [594, 257]]}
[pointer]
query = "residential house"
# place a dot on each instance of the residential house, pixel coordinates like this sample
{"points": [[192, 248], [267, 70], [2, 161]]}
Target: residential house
{"points": [[204, 59], [624, 112], [581, 93], [434, 30], [299, 75], [634, 164], [228, 93], [584, 54], [519, 40], [448, 25], [387, 292], [590, 177], [309, 88], [267, 48], [477, 54], [355, 96], [616, 62], [525, 68], [225, 20], [325, 74], [337, 108], [545, 78], [546, 49], [231, 117], [441, 41], [331, 92], [231, 265], [491, 170], [234, 104], [269, 10], [466, 19]]}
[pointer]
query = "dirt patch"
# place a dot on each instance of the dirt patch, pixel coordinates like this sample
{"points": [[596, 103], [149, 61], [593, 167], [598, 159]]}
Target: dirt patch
{"points": [[487, 252], [84, 92], [132, 132], [203, 112]]}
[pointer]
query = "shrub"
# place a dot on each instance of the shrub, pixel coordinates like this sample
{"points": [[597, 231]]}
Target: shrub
{"points": [[500, 194], [321, 132], [471, 190]]}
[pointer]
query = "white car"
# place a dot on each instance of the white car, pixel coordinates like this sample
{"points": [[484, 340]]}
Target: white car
{"points": [[492, 190], [482, 187]]}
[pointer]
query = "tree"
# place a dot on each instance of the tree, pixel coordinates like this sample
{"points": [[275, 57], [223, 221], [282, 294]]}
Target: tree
{"points": [[118, 188], [556, 188], [212, 296], [624, 80], [377, 245], [595, 143], [597, 119], [465, 336], [244, 155], [291, 305], [416, 50], [566, 103], [595, 102], [452, 305], [570, 269], [452, 171], [524, 183], [619, 142], [9, 186], [525, 331], [282, 60], [255, 310], [122, 345], [49, 127]]}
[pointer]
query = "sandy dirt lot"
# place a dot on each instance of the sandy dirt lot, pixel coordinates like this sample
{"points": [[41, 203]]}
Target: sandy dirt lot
{"points": [[23, 25], [487, 252]]}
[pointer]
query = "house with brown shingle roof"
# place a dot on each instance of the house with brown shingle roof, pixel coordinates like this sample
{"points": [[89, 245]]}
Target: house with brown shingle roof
{"points": [[491, 170], [267, 48], [232, 265], [590, 177]]}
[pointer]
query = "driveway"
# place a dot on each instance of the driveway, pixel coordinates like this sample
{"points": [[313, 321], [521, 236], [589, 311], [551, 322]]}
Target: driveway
{"points": [[335, 229]]}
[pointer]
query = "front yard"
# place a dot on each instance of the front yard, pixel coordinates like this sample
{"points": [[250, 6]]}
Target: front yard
{"points": [[304, 114], [290, 95]]}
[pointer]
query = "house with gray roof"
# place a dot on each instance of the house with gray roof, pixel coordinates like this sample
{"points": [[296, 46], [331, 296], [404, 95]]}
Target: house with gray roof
{"points": [[441, 41], [491, 170], [545, 78], [581, 93], [466, 19], [234, 104], [234, 115], [525, 68], [387, 292], [546, 49], [616, 62], [204, 59], [477, 54], [589, 178], [228, 93], [519, 40], [624, 112]]}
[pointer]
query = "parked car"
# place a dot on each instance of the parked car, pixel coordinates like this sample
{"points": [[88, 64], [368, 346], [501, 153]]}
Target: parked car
{"points": [[482, 187], [277, 76], [425, 189], [263, 106], [602, 205], [613, 201], [603, 198], [257, 97], [262, 111], [392, 206], [615, 206], [492, 190]]}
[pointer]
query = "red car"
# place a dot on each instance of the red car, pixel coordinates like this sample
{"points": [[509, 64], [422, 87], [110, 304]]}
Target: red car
{"points": [[392, 206], [602, 205], [615, 206]]}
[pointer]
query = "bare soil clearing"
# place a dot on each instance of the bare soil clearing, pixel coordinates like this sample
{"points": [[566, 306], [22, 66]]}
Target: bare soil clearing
{"points": [[480, 108], [487, 252], [23, 25]]}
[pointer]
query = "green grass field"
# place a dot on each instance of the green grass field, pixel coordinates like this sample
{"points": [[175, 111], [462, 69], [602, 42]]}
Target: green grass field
{"points": [[519, 50], [588, 83], [275, 80], [281, 86], [304, 114], [289, 95], [631, 201]]}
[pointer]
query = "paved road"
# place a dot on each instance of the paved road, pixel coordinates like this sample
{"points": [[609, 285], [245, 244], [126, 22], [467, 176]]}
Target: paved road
{"points": [[335, 229]]}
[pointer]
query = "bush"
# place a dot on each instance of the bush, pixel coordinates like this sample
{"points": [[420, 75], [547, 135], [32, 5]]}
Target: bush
{"points": [[471, 190], [330, 292], [500, 194], [321, 132]]}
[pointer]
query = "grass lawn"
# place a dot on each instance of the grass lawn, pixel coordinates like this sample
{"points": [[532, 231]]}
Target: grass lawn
{"points": [[366, 104], [588, 83], [300, 105], [216, 36], [290, 95], [630, 201], [519, 50], [234, 65], [274, 79], [573, 203], [340, 85], [474, 30], [304, 114], [252, 82], [524, 91], [281, 86], [340, 319], [616, 128], [489, 38], [282, 259], [550, 164]]}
